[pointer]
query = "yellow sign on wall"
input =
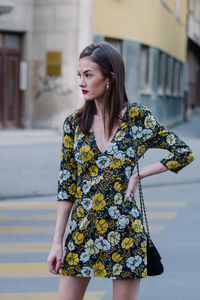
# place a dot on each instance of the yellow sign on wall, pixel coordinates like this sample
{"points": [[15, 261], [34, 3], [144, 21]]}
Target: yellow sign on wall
{"points": [[53, 63]]}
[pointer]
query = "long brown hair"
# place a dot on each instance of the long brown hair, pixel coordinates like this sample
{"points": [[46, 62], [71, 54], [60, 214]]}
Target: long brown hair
{"points": [[111, 65]]}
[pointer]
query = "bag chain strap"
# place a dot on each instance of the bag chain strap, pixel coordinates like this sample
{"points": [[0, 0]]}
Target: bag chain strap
{"points": [[142, 206]]}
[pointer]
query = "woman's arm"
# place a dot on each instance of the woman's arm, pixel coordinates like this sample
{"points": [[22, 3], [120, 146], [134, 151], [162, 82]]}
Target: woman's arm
{"points": [[56, 253], [146, 171]]}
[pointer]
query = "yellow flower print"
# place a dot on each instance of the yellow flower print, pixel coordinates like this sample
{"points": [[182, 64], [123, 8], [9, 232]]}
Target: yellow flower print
{"points": [[190, 157], [79, 192], [98, 201], [68, 141], [144, 273], [172, 164], [102, 226], [117, 186], [93, 171], [127, 243], [80, 212], [86, 153], [163, 132], [137, 226], [72, 259], [133, 112], [116, 257], [116, 163], [143, 247], [141, 150], [171, 139], [117, 269], [79, 170], [79, 238], [72, 189], [90, 247], [122, 125], [99, 269], [150, 122]]}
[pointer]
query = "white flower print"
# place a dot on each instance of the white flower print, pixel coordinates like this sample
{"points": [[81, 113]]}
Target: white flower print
{"points": [[138, 132], [122, 221], [112, 148], [72, 225], [119, 155], [130, 152], [103, 162], [71, 246], [119, 135], [63, 196], [67, 128], [102, 243], [87, 272], [150, 122], [133, 262], [117, 269], [83, 224], [87, 203], [78, 158], [135, 212], [63, 175], [86, 188], [118, 198], [84, 256], [90, 247], [128, 172], [114, 212], [114, 237], [171, 140]]}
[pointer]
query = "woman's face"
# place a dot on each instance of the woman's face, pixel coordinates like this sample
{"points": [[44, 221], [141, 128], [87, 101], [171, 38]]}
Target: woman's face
{"points": [[91, 80]]}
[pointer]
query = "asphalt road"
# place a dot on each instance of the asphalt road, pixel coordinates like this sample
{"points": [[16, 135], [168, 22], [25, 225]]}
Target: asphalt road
{"points": [[29, 168]]}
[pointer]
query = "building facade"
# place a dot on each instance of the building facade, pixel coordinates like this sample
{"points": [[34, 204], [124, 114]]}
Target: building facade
{"points": [[40, 41], [193, 55], [152, 38]]}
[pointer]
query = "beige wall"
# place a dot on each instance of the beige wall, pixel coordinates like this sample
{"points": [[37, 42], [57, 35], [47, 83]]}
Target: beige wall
{"points": [[148, 22]]}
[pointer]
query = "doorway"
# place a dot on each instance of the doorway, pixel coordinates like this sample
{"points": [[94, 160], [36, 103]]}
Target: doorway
{"points": [[9, 81]]}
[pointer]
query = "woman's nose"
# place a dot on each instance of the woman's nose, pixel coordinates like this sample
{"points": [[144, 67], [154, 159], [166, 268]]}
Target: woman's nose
{"points": [[82, 82]]}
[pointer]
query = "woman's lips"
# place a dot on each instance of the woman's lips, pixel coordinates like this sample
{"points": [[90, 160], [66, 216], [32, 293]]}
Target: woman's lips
{"points": [[84, 91]]}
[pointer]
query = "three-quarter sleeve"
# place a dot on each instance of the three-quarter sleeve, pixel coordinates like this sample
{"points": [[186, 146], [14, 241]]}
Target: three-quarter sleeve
{"points": [[157, 136], [67, 174]]}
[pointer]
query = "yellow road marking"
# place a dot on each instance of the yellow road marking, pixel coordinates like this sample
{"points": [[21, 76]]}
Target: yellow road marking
{"points": [[162, 215], [26, 229], [47, 217], [28, 205], [49, 296], [165, 203], [25, 247], [53, 205], [156, 228], [24, 270]]}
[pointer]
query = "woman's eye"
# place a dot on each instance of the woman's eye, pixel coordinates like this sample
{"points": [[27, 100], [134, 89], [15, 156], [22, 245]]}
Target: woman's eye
{"points": [[88, 75], [78, 74]]}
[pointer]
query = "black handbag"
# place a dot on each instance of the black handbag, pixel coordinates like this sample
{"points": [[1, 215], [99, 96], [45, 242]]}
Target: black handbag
{"points": [[154, 264]]}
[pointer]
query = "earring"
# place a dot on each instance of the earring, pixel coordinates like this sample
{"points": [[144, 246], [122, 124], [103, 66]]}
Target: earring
{"points": [[107, 86]]}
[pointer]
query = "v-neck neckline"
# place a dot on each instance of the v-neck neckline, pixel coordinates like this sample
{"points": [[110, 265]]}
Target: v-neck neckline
{"points": [[114, 135]]}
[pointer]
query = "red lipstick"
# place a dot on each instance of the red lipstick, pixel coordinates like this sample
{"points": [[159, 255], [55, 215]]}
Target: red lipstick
{"points": [[84, 91]]}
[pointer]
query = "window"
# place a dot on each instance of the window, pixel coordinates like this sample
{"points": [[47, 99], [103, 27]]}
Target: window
{"points": [[161, 71], [9, 40], [180, 80], [178, 9], [144, 66], [175, 82], [116, 43], [168, 75]]}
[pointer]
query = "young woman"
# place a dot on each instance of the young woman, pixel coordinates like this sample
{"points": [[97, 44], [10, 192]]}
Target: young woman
{"points": [[97, 181]]}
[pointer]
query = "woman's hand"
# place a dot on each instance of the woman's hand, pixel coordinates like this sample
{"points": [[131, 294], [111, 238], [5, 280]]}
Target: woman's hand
{"points": [[132, 185], [55, 258]]}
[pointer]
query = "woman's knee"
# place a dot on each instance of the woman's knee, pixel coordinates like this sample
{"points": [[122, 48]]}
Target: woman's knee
{"points": [[126, 289], [72, 288]]}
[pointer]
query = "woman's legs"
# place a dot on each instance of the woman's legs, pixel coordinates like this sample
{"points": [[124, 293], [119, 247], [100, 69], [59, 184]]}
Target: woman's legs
{"points": [[72, 288], [126, 289]]}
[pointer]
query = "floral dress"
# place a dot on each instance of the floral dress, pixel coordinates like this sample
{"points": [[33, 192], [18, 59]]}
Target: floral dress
{"points": [[106, 236]]}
